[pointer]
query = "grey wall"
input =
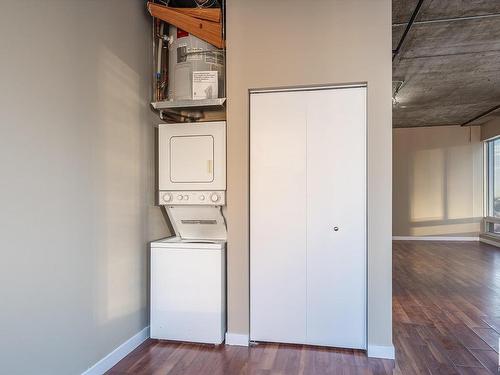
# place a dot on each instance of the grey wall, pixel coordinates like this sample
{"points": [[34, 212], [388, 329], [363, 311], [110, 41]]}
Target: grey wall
{"points": [[292, 42], [77, 181], [437, 181]]}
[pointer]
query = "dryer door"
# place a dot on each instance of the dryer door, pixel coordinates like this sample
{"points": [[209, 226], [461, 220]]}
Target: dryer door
{"points": [[192, 156], [191, 159]]}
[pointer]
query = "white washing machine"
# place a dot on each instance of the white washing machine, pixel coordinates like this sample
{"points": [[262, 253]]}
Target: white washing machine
{"points": [[188, 286]]}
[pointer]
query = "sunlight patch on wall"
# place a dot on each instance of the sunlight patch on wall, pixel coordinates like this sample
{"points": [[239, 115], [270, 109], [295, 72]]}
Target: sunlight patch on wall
{"points": [[459, 169], [119, 201], [427, 185]]}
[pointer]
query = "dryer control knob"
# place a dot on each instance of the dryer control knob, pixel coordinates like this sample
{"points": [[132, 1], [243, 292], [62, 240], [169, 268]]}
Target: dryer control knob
{"points": [[214, 197], [180, 197], [167, 197]]}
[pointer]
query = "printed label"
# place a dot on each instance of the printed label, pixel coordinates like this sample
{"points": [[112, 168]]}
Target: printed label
{"points": [[214, 58], [194, 54], [205, 85], [181, 54]]}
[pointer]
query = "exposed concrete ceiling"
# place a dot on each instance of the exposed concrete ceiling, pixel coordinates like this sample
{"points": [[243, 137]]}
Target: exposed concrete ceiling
{"points": [[449, 68]]}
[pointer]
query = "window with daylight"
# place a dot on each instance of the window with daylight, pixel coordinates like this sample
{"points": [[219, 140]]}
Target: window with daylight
{"points": [[492, 220]]}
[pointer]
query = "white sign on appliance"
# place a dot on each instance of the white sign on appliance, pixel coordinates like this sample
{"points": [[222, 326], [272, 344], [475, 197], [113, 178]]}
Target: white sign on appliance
{"points": [[205, 85]]}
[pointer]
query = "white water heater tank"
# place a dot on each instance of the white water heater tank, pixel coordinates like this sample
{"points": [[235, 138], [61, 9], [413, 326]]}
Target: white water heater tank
{"points": [[188, 54]]}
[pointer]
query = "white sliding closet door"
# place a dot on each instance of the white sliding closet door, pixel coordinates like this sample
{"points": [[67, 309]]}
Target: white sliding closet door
{"points": [[308, 217], [278, 201]]}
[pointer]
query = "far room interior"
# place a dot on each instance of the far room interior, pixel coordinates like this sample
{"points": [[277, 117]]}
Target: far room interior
{"points": [[253, 187], [446, 130]]}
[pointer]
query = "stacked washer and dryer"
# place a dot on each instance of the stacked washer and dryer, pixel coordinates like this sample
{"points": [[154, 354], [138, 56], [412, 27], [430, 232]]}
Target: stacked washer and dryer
{"points": [[188, 290]]}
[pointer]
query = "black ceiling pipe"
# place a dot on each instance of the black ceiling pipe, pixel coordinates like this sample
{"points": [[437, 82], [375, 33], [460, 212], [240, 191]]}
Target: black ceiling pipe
{"points": [[451, 19], [407, 29]]}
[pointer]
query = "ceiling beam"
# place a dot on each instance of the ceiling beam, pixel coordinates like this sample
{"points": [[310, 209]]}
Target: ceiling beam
{"points": [[407, 29], [485, 113], [421, 126]]}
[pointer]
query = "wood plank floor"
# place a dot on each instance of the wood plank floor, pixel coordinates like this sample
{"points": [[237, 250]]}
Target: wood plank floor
{"points": [[446, 307], [446, 313]]}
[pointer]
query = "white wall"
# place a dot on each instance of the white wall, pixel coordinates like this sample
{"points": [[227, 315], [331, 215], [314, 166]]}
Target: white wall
{"points": [[292, 42], [437, 181], [491, 128], [77, 181]]}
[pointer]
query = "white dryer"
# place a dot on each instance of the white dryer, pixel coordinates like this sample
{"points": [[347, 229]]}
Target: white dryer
{"points": [[192, 163], [188, 287]]}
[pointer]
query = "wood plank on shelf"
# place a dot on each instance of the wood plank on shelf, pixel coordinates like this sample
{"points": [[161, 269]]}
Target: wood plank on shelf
{"points": [[209, 14], [211, 32]]}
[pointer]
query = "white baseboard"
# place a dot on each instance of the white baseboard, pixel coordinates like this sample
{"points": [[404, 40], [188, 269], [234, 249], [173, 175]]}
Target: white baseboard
{"points": [[386, 352], [489, 242], [118, 354], [236, 339], [433, 238]]}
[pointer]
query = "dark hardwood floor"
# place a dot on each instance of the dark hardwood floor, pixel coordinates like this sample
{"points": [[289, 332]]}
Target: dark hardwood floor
{"points": [[446, 307], [446, 313]]}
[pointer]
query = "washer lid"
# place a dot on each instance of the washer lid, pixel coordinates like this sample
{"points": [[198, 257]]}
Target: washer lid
{"points": [[198, 222], [177, 243]]}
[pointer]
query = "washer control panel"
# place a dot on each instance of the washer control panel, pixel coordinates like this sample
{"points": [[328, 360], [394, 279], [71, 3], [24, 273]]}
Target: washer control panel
{"points": [[211, 198]]}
